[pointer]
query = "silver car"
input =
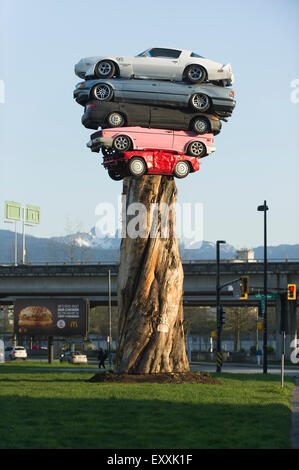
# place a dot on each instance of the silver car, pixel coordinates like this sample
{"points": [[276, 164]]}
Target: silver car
{"points": [[157, 63], [179, 94]]}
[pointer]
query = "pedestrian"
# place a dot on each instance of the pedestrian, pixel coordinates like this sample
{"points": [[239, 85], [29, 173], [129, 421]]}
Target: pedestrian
{"points": [[101, 357]]}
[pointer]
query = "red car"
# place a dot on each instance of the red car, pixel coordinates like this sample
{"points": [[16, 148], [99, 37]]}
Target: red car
{"points": [[150, 162]]}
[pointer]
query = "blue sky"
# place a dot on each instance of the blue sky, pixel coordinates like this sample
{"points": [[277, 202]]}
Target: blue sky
{"points": [[43, 157]]}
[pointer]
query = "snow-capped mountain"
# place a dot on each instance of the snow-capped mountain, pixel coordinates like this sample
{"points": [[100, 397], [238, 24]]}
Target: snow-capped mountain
{"points": [[95, 247]]}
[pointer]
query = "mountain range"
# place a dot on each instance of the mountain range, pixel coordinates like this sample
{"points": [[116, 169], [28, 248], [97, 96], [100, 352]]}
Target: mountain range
{"points": [[87, 247]]}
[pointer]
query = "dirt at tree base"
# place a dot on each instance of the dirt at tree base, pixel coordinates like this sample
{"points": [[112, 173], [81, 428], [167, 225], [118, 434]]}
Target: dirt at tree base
{"points": [[161, 378]]}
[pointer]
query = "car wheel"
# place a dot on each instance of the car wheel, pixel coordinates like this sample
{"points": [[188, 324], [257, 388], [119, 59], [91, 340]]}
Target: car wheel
{"points": [[195, 74], [201, 126], [197, 149], [137, 166], [181, 169], [115, 175], [122, 143], [200, 102], [115, 120], [102, 92], [109, 151], [105, 69]]}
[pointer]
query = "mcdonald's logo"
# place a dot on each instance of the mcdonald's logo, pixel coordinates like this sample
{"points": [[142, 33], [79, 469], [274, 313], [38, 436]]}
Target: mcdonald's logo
{"points": [[74, 324]]}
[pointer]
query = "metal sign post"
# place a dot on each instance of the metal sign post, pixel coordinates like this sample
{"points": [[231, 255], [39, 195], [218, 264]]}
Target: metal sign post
{"points": [[283, 356], [28, 215]]}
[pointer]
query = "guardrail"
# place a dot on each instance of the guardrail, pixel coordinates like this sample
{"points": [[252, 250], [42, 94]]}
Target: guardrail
{"points": [[184, 261]]}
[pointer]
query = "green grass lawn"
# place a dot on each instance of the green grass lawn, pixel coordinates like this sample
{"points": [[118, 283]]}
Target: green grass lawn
{"points": [[42, 406]]}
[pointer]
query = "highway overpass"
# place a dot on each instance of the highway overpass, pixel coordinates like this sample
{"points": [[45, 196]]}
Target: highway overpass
{"points": [[91, 281]]}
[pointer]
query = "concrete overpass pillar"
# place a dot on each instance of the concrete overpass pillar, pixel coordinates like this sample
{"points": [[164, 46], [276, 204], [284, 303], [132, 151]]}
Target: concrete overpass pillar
{"points": [[278, 335], [292, 327]]}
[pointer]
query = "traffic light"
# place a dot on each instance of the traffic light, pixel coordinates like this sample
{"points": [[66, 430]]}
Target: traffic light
{"points": [[291, 291], [244, 287], [222, 315]]}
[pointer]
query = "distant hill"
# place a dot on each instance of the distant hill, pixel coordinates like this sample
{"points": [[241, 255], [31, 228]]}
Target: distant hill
{"points": [[86, 247]]}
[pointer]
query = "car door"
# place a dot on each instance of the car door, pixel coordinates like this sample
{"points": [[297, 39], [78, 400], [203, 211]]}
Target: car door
{"points": [[165, 118], [158, 63], [140, 91], [173, 94], [153, 138], [162, 162], [136, 114]]}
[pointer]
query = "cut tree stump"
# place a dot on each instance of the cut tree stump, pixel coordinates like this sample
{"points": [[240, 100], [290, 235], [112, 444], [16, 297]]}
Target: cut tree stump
{"points": [[150, 284]]}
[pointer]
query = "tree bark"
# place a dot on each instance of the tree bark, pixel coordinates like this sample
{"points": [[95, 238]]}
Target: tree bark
{"points": [[150, 284]]}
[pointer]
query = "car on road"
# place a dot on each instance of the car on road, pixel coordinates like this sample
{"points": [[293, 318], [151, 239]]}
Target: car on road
{"points": [[15, 352], [76, 357], [200, 98], [140, 138], [159, 63], [150, 162], [126, 114]]}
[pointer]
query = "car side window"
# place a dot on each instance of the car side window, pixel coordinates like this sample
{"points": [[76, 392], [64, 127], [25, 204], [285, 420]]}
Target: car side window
{"points": [[165, 53], [193, 54]]}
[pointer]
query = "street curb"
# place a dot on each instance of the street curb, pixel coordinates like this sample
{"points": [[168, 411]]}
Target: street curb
{"points": [[295, 416]]}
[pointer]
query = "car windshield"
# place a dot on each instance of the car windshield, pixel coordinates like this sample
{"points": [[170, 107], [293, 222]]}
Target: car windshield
{"points": [[19, 348], [193, 54], [160, 52]]}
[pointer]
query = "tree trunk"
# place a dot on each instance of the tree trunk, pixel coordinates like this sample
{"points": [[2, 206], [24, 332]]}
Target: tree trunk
{"points": [[150, 283]]}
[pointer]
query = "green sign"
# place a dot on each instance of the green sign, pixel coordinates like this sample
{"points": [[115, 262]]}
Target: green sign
{"points": [[33, 214], [269, 296], [13, 210]]}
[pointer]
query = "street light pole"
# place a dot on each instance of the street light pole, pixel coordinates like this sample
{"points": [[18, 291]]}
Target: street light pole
{"points": [[110, 326], [264, 208], [219, 326]]}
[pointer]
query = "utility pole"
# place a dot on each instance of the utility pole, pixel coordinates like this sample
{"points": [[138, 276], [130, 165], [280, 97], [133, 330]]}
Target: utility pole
{"points": [[110, 320], [264, 208], [218, 307]]}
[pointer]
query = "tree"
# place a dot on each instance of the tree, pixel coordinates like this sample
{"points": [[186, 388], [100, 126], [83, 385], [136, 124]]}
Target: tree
{"points": [[150, 282]]}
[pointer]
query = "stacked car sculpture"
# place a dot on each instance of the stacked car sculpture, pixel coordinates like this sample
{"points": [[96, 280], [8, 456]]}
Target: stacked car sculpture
{"points": [[158, 111]]}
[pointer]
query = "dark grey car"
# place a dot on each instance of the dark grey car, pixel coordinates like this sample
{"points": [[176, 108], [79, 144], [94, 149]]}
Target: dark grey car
{"points": [[111, 114], [202, 98]]}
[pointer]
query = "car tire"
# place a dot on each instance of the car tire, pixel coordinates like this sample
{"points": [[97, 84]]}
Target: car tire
{"points": [[115, 175], [122, 143], [137, 166], [195, 74], [201, 126], [197, 149], [181, 169], [102, 92], [200, 102], [115, 120], [109, 151], [105, 69]]}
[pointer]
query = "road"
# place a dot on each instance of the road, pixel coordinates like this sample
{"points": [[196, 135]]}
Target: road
{"points": [[203, 367], [245, 369]]}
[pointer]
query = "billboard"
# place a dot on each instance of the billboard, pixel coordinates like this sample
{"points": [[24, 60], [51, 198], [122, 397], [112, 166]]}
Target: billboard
{"points": [[13, 210], [33, 214], [51, 317]]}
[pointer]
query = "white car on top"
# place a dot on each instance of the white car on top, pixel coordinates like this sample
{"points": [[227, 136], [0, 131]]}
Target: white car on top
{"points": [[157, 63]]}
